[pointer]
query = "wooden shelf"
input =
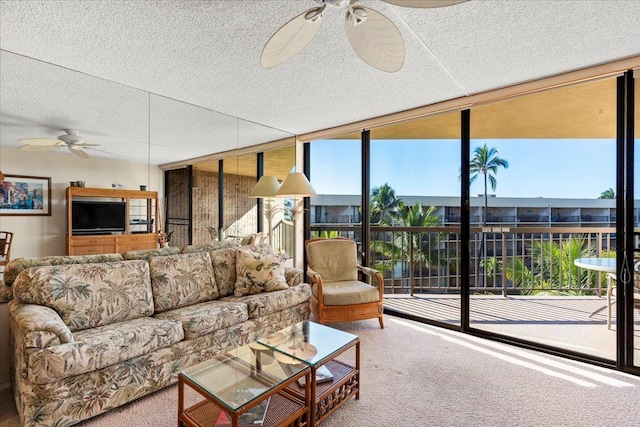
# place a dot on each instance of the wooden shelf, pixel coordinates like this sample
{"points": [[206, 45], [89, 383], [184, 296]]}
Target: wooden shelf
{"points": [[141, 206]]}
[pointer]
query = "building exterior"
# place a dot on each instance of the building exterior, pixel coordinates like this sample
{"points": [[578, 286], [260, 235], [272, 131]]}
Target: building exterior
{"points": [[502, 211]]}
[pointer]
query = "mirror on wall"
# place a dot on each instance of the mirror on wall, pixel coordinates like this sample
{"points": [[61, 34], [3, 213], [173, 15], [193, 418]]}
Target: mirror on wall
{"points": [[138, 133], [179, 132], [42, 100]]}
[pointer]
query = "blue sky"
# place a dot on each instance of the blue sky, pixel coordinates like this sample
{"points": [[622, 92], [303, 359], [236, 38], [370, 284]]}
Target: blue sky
{"points": [[537, 168]]}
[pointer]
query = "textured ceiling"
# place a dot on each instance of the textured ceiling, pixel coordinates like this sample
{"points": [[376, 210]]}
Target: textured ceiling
{"points": [[165, 81]]}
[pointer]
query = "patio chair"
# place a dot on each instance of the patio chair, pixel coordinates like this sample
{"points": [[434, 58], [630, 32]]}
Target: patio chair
{"points": [[611, 290], [337, 294]]}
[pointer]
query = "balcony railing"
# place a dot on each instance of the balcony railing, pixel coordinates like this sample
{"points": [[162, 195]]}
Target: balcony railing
{"points": [[335, 219], [516, 260]]}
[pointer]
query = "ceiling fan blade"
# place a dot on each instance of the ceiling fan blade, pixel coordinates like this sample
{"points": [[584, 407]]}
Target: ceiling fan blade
{"points": [[39, 141], [424, 3], [292, 37], [38, 147], [78, 152], [102, 151], [375, 39], [86, 144]]}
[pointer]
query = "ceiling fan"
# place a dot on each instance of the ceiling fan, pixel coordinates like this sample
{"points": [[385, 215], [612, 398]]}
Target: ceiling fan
{"points": [[374, 38], [72, 140]]}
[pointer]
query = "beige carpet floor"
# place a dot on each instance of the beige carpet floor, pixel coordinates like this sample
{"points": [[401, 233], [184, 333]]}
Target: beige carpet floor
{"points": [[419, 375]]}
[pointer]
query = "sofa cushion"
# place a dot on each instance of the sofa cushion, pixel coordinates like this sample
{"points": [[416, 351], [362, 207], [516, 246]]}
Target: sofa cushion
{"points": [[271, 302], [256, 272], [224, 269], [207, 317], [183, 279], [17, 265], [224, 266], [89, 295], [103, 346], [147, 254]]}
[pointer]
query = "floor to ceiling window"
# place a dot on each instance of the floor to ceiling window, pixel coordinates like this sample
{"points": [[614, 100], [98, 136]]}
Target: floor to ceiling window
{"points": [[415, 215], [336, 175], [543, 175]]}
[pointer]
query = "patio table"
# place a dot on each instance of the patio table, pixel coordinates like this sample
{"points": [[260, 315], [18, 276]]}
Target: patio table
{"points": [[606, 265]]}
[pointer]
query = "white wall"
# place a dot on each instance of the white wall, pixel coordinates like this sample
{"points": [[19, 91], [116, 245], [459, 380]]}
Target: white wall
{"points": [[46, 235]]}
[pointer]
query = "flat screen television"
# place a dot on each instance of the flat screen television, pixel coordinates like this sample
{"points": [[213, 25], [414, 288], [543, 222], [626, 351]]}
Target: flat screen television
{"points": [[97, 217]]}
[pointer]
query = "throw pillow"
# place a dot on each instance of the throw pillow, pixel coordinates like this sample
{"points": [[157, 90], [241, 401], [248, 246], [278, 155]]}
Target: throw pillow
{"points": [[257, 272]]}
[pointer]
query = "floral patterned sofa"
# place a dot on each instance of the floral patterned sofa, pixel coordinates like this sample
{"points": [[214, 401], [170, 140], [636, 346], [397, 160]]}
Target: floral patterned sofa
{"points": [[92, 333]]}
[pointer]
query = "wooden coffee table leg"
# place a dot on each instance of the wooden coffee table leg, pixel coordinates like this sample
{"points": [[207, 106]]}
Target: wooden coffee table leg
{"points": [[180, 401], [312, 406], [358, 369]]}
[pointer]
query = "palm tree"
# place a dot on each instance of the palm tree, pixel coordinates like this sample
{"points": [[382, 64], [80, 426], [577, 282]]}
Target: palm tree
{"points": [[413, 249], [552, 271], [607, 194], [485, 161], [418, 216], [384, 204]]}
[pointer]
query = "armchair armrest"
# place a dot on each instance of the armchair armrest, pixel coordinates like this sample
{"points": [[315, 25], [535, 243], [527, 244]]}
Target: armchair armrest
{"points": [[313, 276], [39, 326], [315, 279], [372, 273]]}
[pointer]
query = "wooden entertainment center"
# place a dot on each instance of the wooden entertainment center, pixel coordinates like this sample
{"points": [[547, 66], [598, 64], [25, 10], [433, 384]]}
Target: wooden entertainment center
{"points": [[140, 232]]}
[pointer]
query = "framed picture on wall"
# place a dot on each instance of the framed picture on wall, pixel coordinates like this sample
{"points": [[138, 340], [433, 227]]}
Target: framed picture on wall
{"points": [[25, 195]]}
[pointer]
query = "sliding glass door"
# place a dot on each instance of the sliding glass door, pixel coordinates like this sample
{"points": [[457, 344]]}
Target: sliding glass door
{"points": [[415, 215], [543, 180]]}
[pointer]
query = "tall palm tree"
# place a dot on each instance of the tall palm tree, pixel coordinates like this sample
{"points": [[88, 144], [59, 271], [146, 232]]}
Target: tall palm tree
{"points": [[607, 194], [413, 249], [384, 204], [485, 161]]}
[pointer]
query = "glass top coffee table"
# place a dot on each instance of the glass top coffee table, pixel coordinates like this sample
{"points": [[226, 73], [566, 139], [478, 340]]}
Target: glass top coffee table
{"points": [[333, 382], [245, 386]]}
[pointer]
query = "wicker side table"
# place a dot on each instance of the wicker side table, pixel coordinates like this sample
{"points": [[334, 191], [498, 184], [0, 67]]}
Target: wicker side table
{"points": [[326, 345]]}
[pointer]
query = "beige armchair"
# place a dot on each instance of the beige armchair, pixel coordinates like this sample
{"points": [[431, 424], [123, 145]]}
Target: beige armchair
{"points": [[338, 295]]}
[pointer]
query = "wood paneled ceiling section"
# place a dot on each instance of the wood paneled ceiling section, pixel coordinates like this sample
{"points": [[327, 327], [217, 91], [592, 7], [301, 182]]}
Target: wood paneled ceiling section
{"points": [[586, 110], [277, 162]]}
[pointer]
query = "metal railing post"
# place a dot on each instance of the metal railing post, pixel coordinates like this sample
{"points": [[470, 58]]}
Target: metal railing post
{"points": [[411, 275], [504, 264]]}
